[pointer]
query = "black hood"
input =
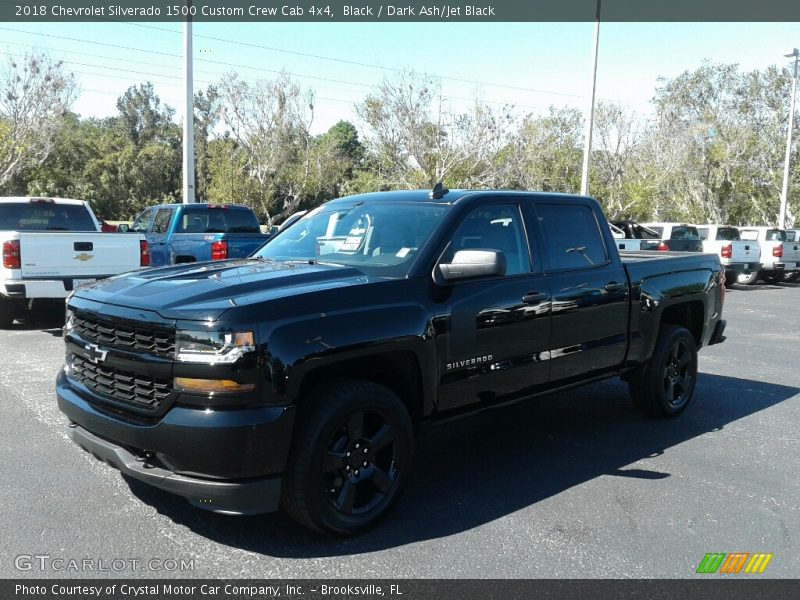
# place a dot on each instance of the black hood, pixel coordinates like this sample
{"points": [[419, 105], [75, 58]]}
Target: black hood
{"points": [[206, 290]]}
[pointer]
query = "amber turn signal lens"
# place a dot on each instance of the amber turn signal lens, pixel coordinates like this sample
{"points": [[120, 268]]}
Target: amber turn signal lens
{"points": [[210, 386]]}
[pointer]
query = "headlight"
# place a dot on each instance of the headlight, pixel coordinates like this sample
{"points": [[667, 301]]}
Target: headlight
{"points": [[213, 347]]}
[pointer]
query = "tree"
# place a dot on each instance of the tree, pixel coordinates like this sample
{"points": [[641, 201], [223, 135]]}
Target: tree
{"points": [[141, 118], [206, 106], [270, 122], [417, 140], [34, 94], [545, 154]]}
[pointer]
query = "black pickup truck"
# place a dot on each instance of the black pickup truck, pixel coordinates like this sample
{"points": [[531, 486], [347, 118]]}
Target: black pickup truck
{"points": [[299, 376]]}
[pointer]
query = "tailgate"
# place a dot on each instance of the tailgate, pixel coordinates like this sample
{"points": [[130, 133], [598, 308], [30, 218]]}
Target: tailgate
{"points": [[745, 252], [87, 254], [242, 245], [791, 252]]}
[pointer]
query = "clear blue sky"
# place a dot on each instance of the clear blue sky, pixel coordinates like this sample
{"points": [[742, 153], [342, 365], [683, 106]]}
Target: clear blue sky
{"points": [[551, 58]]}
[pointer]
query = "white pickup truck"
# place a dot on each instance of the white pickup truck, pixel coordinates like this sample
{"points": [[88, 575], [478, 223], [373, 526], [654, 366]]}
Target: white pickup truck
{"points": [[52, 245], [738, 257], [779, 256]]}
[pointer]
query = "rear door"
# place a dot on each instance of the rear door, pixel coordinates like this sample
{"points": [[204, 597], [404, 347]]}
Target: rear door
{"points": [[589, 291], [493, 333]]}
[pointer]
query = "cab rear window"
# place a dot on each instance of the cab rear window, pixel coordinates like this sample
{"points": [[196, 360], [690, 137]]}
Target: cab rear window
{"points": [[45, 216], [218, 220]]}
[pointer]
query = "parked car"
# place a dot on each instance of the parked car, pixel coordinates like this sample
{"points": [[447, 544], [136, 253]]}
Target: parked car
{"points": [[676, 237], [738, 257], [637, 236], [187, 233], [298, 376], [792, 235], [778, 256], [53, 245]]}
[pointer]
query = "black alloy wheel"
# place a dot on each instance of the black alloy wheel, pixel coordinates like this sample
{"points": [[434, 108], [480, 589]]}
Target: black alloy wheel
{"points": [[664, 385], [351, 455]]}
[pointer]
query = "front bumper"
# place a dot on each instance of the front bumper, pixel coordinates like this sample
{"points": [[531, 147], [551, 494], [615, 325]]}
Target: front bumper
{"points": [[226, 461], [718, 336]]}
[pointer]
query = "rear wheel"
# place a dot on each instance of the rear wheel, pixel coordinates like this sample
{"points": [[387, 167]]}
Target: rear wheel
{"points": [[6, 312], [663, 387], [791, 277], [350, 457], [747, 278], [772, 277]]}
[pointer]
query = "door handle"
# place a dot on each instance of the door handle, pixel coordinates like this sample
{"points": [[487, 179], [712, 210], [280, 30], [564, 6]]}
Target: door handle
{"points": [[614, 287], [532, 298]]}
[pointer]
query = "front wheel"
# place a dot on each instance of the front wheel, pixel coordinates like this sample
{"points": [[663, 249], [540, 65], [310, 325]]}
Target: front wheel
{"points": [[663, 387], [350, 457]]}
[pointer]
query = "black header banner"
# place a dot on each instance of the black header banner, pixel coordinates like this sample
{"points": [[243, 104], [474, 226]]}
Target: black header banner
{"points": [[401, 11], [712, 588]]}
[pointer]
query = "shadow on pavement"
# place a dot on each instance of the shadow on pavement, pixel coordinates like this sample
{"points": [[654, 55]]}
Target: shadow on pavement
{"points": [[480, 469]]}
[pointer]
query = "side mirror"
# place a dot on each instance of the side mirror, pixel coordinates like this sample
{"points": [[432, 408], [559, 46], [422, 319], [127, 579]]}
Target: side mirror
{"points": [[123, 228], [468, 264]]}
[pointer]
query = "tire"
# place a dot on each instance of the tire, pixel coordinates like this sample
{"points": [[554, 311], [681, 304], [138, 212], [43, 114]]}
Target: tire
{"points": [[327, 488], [664, 386], [747, 278], [730, 279], [771, 277], [791, 277], [6, 313]]}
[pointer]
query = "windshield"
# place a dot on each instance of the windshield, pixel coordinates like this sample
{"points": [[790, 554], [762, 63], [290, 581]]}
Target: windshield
{"points": [[379, 238], [45, 216]]}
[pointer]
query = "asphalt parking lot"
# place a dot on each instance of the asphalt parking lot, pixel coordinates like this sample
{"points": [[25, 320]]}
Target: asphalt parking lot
{"points": [[575, 485]]}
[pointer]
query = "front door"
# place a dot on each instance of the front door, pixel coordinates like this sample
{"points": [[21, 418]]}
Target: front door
{"points": [[492, 332]]}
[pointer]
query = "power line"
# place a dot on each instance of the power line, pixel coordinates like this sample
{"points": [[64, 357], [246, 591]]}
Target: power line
{"points": [[362, 64]]}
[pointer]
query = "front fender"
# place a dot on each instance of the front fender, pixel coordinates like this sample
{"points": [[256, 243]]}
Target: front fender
{"points": [[295, 349]]}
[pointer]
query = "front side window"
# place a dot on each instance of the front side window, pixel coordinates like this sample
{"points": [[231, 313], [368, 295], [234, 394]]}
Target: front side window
{"points": [[493, 227], [143, 222], [572, 236], [377, 237]]}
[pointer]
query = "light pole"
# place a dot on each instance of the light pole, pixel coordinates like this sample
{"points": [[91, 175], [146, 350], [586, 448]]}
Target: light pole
{"points": [[785, 188], [188, 114], [587, 144]]}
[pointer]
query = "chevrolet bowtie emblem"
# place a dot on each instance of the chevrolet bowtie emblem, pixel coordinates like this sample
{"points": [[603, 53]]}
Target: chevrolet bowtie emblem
{"points": [[94, 353], [83, 257]]}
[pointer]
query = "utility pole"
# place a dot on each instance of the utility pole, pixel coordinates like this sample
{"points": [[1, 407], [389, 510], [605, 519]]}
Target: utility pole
{"points": [[787, 158], [188, 113], [587, 144]]}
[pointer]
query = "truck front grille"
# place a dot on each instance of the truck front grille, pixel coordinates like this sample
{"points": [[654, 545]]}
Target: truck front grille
{"points": [[142, 391], [124, 334]]}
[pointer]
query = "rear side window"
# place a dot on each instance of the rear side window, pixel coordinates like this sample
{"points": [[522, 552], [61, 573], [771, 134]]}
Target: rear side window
{"points": [[682, 232], [703, 232], [44, 216], [728, 234], [572, 236], [161, 222], [658, 231], [749, 234]]}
